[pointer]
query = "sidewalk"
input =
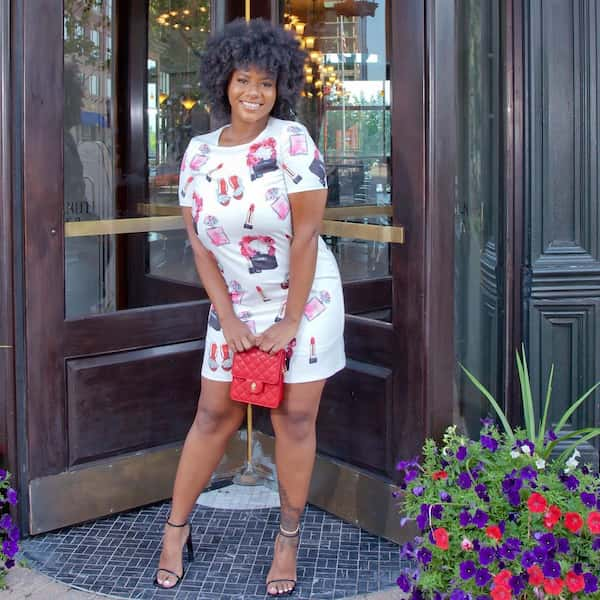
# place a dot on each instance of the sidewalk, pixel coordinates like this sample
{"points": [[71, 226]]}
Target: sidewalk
{"points": [[27, 584]]}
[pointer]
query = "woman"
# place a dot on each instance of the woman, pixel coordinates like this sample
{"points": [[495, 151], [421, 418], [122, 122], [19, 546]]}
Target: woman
{"points": [[253, 194]]}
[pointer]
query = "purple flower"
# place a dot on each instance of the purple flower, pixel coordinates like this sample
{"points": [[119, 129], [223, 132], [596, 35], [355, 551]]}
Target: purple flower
{"points": [[551, 435], [577, 569], [437, 511], [10, 563], [596, 544], [6, 521], [445, 496], [461, 453], [527, 444], [486, 555], [562, 545], [2, 474], [482, 577], [551, 569], [405, 464], [528, 559], [505, 551], [540, 554], [548, 541], [464, 518], [403, 583], [418, 490], [467, 569], [10, 548], [514, 498], [11, 496], [410, 475], [517, 583], [14, 534], [424, 555], [464, 481], [588, 499], [482, 493], [489, 442], [416, 595], [591, 583], [528, 472], [571, 482], [458, 595], [480, 518]]}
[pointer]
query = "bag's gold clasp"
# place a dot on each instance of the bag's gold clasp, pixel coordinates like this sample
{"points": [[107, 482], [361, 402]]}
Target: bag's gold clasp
{"points": [[253, 386]]}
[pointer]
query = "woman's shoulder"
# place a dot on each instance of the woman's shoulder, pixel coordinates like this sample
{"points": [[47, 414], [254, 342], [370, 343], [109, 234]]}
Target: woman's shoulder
{"points": [[210, 138], [286, 126]]}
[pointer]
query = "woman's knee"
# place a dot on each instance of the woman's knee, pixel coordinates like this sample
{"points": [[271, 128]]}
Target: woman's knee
{"points": [[296, 425], [217, 419]]}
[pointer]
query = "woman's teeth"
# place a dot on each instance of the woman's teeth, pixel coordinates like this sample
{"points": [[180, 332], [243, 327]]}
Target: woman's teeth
{"points": [[251, 105]]}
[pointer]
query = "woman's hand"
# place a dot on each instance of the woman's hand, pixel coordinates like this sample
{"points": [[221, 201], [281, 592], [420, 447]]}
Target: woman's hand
{"points": [[278, 336], [237, 334]]}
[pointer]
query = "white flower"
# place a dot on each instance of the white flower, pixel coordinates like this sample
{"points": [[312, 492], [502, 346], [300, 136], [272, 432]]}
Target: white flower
{"points": [[525, 449], [515, 453], [540, 463], [572, 462]]}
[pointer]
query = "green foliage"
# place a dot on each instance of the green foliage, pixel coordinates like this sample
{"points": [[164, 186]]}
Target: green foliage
{"points": [[538, 434]]}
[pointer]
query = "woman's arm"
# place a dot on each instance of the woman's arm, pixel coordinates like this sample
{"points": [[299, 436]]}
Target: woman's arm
{"points": [[308, 209], [237, 333]]}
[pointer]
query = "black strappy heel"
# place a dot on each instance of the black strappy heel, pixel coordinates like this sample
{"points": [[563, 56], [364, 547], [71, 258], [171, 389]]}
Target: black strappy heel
{"points": [[287, 534], [190, 555]]}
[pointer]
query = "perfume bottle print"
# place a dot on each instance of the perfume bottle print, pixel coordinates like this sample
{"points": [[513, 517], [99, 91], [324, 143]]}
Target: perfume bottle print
{"points": [[313, 308], [298, 142], [215, 232]]}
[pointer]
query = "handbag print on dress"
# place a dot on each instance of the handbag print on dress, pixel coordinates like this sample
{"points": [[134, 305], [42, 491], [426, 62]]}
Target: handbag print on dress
{"points": [[258, 377]]}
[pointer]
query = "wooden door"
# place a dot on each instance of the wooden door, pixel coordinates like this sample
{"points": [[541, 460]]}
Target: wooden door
{"points": [[115, 320]]}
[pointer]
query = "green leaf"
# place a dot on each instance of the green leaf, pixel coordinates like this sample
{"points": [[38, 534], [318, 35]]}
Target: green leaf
{"points": [[574, 407], [542, 431], [548, 449], [526, 399], [491, 400], [563, 456]]}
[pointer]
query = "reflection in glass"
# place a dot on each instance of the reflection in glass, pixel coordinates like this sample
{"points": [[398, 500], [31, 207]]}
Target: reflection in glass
{"points": [[345, 105], [88, 154], [478, 226]]}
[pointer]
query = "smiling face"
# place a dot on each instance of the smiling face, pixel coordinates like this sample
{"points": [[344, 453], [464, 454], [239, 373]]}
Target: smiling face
{"points": [[252, 94]]}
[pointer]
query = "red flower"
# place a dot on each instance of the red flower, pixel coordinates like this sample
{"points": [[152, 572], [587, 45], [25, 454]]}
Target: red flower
{"points": [[494, 532], [440, 475], [501, 592], [440, 536], [501, 579], [536, 577], [573, 522], [536, 503], [575, 583], [552, 516], [593, 522], [553, 586]]}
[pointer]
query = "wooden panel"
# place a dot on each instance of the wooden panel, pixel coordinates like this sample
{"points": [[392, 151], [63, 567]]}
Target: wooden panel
{"points": [[370, 341], [43, 208], [353, 422], [564, 334], [131, 400]]}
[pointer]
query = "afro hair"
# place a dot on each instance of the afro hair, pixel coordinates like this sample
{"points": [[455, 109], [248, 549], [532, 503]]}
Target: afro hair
{"points": [[259, 44]]}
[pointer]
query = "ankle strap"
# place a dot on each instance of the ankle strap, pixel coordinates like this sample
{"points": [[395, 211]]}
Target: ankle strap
{"points": [[291, 534], [174, 525]]}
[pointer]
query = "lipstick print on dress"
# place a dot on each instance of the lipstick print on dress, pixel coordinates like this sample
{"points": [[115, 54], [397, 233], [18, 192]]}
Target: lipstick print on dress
{"points": [[279, 316], [262, 158], [237, 187], [317, 166], [213, 319], [262, 294], [215, 232], [279, 202], [313, 352], [259, 250], [213, 171], [249, 216], [298, 142], [296, 177], [186, 186]]}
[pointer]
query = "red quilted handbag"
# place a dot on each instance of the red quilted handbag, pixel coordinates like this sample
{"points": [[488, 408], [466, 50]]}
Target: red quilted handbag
{"points": [[258, 377]]}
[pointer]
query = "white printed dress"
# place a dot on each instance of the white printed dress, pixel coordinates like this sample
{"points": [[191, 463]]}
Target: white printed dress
{"points": [[239, 200]]}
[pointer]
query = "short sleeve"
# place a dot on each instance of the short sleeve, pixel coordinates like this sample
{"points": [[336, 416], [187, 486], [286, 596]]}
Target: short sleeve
{"points": [[186, 177], [301, 160]]}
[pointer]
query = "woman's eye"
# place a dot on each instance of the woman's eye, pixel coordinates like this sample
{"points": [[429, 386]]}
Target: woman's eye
{"points": [[242, 80], [268, 84]]}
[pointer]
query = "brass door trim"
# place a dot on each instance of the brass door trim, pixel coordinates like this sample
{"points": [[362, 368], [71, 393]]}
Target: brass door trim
{"points": [[359, 231], [126, 482]]}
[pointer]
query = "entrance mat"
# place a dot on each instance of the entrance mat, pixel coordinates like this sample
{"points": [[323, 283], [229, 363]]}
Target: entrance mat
{"points": [[118, 555]]}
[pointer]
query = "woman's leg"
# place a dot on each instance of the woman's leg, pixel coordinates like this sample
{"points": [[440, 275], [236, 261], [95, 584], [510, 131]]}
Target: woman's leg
{"points": [[295, 447], [217, 418]]}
